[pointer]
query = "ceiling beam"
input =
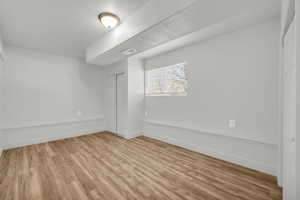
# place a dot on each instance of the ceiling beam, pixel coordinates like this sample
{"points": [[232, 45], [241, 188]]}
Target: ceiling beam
{"points": [[152, 13]]}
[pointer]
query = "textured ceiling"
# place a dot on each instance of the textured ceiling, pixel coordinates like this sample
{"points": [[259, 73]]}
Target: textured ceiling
{"points": [[202, 14], [63, 27]]}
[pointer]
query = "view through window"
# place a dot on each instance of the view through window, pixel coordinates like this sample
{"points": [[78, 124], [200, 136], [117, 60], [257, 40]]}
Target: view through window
{"points": [[167, 81]]}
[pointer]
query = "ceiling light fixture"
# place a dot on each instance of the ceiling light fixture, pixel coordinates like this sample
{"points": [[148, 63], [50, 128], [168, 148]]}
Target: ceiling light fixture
{"points": [[109, 20]]}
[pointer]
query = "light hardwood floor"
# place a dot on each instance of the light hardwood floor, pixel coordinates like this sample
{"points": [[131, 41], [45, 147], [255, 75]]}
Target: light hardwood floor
{"points": [[104, 166]]}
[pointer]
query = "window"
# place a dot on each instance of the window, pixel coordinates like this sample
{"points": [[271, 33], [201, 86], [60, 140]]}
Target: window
{"points": [[166, 81]]}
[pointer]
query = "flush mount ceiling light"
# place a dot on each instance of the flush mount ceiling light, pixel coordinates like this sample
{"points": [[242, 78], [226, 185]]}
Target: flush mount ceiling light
{"points": [[109, 20]]}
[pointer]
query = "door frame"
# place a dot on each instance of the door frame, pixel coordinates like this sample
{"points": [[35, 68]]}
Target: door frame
{"points": [[117, 75], [288, 137]]}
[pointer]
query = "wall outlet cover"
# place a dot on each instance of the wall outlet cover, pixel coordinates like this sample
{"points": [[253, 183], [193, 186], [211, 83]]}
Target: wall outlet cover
{"points": [[232, 123]]}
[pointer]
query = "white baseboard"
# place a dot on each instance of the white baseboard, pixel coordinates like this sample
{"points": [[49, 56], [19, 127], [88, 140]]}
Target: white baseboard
{"points": [[251, 154], [245, 152], [131, 136], [214, 132], [28, 135]]}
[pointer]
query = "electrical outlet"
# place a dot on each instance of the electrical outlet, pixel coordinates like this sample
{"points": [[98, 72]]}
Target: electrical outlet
{"points": [[232, 123]]}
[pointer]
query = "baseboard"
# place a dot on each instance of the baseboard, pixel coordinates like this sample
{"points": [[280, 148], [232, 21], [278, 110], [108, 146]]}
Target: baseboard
{"points": [[250, 154], [1, 141], [214, 132], [223, 156], [131, 136], [52, 123], [23, 136]]}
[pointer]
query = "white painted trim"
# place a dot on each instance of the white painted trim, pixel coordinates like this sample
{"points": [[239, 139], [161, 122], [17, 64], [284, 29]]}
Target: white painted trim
{"points": [[131, 136], [227, 25], [134, 25], [65, 129], [49, 139], [53, 123], [220, 155], [214, 132], [2, 57]]}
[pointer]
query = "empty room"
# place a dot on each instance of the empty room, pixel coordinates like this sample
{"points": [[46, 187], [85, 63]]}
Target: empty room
{"points": [[150, 100]]}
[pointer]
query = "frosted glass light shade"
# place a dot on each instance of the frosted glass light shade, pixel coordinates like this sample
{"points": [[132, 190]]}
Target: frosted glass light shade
{"points": [[109, 20]]}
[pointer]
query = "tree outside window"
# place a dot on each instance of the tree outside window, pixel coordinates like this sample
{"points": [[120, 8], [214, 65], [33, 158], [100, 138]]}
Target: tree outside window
{"points": [[167, 81]]}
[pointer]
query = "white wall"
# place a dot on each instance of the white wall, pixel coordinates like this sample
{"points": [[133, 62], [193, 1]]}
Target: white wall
{"points": [[233, 76], [49, 97], [110, 95], [136, 107], [1, 89], [1, 48], [131, 98], [298, 96], [289, 115], [288, 87]]}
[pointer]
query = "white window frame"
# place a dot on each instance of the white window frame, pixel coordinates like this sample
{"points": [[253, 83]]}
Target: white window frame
{"points": [[184, 93]]}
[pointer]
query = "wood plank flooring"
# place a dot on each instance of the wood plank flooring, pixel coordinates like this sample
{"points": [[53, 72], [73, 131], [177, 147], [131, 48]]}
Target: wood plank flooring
{"points": [[105, 166]]}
